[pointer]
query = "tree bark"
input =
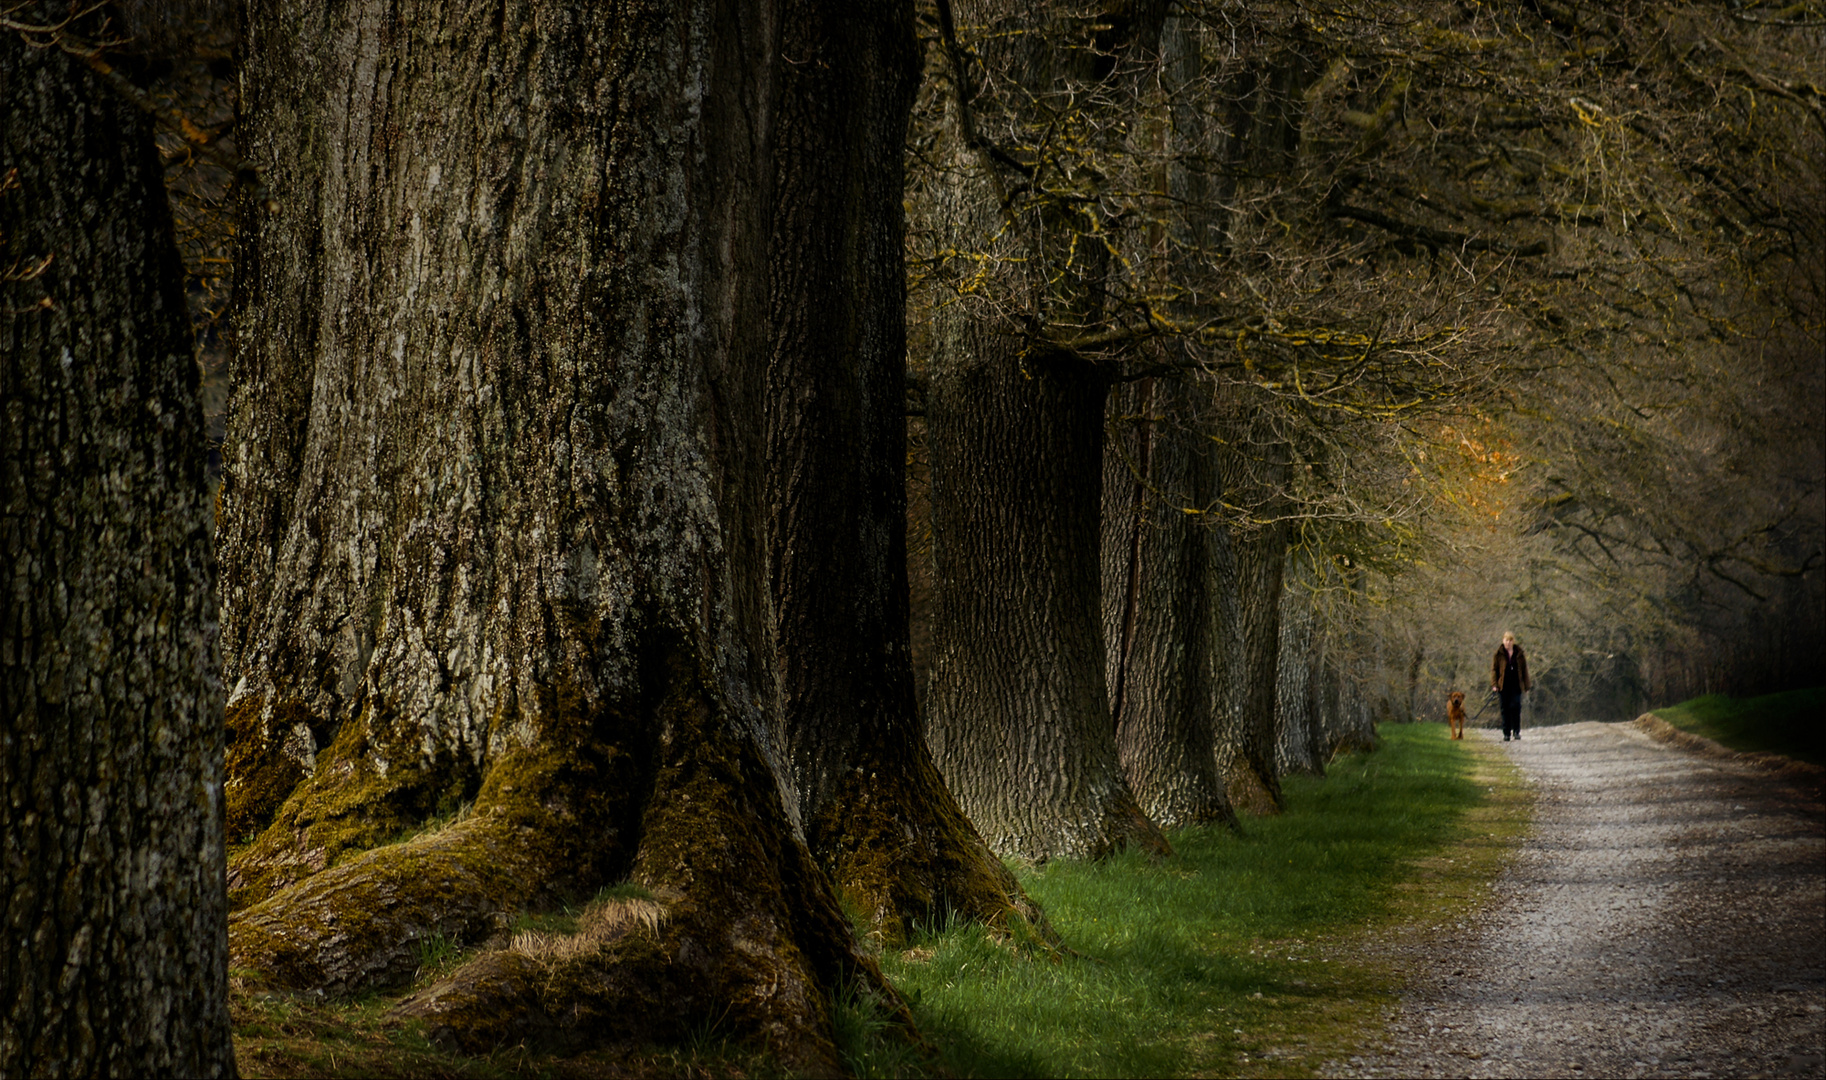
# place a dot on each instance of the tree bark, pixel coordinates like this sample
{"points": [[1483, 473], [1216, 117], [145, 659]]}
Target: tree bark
{"points": [[877, 814], [1250, 571], [1345, 718], [116, 952], [1157, 607], [497, 496], [1019, 717], [1298, 748]]}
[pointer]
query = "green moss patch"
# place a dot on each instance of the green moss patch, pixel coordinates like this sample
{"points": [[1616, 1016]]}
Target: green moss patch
{"points": [[258, 776]]}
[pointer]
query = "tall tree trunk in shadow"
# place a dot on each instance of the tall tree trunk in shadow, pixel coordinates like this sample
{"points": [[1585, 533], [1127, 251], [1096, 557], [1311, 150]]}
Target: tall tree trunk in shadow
{"points": [[877, 814], [1298, 748], [1247, 733], [500, 622], [1346, 722], [1157, 606], [115, 913], [1019, 717]]}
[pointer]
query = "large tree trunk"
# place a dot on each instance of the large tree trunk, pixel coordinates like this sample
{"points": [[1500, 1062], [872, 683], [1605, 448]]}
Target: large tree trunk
{"points": [[1020, 719], [1018, 710], [115, 945], [1157, 607], [877, 814], [499, 520], [1250, 570], [1298, 746]]}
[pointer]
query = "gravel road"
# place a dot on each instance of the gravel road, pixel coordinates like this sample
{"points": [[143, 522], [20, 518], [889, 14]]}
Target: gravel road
{"points": [[1666, 917]]}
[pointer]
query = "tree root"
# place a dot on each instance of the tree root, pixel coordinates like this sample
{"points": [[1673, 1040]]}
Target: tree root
{"points": [[741, 929], [1249, 793], [900, 852]]}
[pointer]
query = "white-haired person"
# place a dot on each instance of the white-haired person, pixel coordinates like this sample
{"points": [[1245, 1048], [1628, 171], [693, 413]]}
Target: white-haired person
{"points": [[1509, 679]]}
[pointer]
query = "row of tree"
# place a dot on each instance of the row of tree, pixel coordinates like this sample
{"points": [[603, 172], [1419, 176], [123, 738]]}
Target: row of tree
{"points": [[562, 530]]}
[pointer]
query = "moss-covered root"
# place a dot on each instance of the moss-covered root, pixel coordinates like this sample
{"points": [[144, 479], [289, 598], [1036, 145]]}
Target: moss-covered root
{"points": [[1135, 830], [540, 827], [361, 923], [899, 851], [751, 942]]}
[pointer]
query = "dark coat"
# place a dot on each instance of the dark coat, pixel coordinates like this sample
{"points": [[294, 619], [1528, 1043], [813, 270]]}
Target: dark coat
{"points": [[1496, 668]]}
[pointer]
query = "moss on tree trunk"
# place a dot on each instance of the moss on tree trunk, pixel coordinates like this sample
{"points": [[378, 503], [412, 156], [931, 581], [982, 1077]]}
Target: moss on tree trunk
{"points": [[496, 559]]}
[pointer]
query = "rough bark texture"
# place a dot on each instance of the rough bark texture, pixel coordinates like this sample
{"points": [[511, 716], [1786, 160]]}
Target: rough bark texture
{"points": [[498, 521], [1020, 719], [1349, 727], [1018, 709], [1250, 569], [1299, 746], [1345, 723], [1157, 608], [115, 951], [877, 814]]}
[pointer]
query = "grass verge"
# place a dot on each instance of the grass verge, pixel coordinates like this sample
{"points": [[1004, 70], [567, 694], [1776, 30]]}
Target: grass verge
{"points": [[1251, 955], [1788, 723], [1264, 954]]}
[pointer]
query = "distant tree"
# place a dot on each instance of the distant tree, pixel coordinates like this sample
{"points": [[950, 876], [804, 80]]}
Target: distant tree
{"points": [[1161, 620], [115, 909], [1300, 745], [1107, 195]]}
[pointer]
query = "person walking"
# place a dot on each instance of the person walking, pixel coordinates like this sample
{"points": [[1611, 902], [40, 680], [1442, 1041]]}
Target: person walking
{"points": [[1509, 678]]}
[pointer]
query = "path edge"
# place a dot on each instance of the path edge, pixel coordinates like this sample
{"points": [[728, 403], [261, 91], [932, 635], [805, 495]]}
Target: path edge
{"points": [[1779, 764]]}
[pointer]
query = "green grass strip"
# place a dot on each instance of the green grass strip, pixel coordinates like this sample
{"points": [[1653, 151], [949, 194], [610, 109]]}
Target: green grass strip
{"points": [[1265, 954], [1792, 724], [1241, 955]]}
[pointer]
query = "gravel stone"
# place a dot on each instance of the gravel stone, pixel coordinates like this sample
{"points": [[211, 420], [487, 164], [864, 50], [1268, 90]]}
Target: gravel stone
{"points": [[1666, 917]]}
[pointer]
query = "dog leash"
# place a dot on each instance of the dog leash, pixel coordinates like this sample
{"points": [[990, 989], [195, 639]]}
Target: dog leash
{"points": [[1488, 698]]}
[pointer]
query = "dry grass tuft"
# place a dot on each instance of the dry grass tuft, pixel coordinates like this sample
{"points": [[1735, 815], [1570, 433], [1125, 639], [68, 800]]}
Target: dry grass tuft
{"points": [[603, 922], [617, 916]]}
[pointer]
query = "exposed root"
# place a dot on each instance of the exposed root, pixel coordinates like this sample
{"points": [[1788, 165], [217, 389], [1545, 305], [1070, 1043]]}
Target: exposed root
{"points": [[544, 825], [743, 934], [737, 929], [1135, 830], [361, 924]]}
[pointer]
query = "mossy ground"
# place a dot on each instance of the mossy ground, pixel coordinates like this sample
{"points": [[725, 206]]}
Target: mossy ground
{"points": [[1250, 955], [1792, 724]]}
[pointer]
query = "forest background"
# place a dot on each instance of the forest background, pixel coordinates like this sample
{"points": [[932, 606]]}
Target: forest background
{"points": [[770, 459]]}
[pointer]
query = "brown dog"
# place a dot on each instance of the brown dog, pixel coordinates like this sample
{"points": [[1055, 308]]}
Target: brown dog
{"points": [[1455, 713]]}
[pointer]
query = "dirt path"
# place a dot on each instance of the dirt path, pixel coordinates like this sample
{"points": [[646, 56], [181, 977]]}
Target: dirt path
{"points": [[1667, 917]]}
